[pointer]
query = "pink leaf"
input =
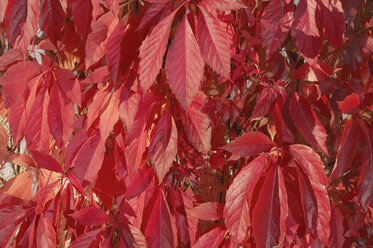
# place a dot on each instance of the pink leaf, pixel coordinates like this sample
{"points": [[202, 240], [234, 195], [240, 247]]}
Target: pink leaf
{"points": [[184, 64]]}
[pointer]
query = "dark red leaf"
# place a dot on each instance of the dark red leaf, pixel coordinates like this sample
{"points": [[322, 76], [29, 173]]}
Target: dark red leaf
{"points": [[349, 143], [307, 122]]}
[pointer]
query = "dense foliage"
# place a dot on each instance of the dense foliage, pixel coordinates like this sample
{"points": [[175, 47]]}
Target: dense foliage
{"points": [[196, 123]]}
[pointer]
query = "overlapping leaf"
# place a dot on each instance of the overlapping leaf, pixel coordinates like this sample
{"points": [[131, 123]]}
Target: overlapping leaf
{"points": [[184, 64]]}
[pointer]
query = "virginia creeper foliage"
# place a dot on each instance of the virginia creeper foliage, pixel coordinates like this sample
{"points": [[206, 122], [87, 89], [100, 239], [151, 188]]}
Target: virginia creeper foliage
{"points": [[186, 123]]}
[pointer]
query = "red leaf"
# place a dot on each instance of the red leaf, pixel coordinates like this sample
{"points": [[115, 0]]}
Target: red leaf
{"points": [[313, 168], [8, 58], [154, 11], [225, 5], [197, 126], [46, 161], [46, 236], [17, 120], [248, 144], [277, 20], [349, 143], [61, 115], [238, 197], [14, 81], [37, 131], [96, 40], [52, 18], [215, 41], [307, 122], [82, 16], [305, 28], [211, 239], [128, 106], [158, 230], [350, 105], [118, 56], [3, 141], [15, 17], [69, 84], [184, 64], [163, 147], [89, 159], [310, 163], [139, 183], [91, 216], [267, 211], [208, 211], [182, 202], [89, 239], [30, 27], [110, 115], [152, 51], [264, 102]]}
